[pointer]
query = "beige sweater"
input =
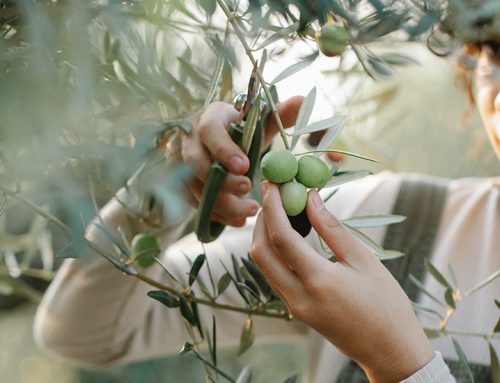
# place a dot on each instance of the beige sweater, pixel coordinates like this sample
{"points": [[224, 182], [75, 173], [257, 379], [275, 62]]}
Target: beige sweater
{"points": [[94, 315]]}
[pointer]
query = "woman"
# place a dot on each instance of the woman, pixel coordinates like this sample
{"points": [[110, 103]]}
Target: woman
{"points": [[94, 315]]}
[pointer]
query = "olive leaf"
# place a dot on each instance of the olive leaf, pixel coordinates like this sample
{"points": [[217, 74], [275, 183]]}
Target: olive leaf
{"points": [[242, 292], [247, 336], [294, 68], [436, 274], [304, 115], [187, 312], [425, 310], [373, 246], [209, 6], [497, 303], [497, 326], [276, 304], [453, 276], [398, 59], [346, 176], [374, 220], [482, 284], [250, 125], [215, 79], [245, 375], [335, 123], [432, 334], [257, 276], [223, 283], [463, 360], [195, 268], [67, 251], [280, 34], [495, 365], [422, 288], [448, 297], [164, 297], [213, 349]]}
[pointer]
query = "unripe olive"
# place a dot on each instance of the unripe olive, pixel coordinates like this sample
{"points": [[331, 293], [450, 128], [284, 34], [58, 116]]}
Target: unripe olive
{"points": [[143, 247], [313, 172], [332, 39], [279, 166], [293, 198]]}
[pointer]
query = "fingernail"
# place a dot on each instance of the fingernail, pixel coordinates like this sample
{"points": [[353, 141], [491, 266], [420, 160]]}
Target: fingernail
{"points": [[263, 188], [317, 201], [237, 163], [242, 188]]}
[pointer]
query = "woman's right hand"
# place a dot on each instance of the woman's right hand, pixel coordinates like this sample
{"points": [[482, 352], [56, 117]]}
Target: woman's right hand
{"points": [[355, 302], [209, 140]]}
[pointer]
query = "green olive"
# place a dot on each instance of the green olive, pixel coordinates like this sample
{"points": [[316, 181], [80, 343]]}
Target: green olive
{"points": [[332, 39], [293, 198], [313, 172], [143, 247], [279, 166]]}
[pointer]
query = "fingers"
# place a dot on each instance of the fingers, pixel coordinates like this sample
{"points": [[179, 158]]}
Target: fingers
{"points": [[228, 209], [288, 112], [277, 273], [346, 247], [295, 251], [212, 128]]}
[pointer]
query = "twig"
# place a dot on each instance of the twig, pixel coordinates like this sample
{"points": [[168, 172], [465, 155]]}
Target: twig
{"points": [[263, 83]]}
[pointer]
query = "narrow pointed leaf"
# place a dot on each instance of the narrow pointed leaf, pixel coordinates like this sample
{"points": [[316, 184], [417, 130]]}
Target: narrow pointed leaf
{"points": [[304, 115], [257, 276], [373, 246], [374, 220], [497, 326], [195, 269], [223, 283], [480, 285], [250, 124], [247, 336], [67, 251], [495, 365], [448, 297], [330, 136], [436, 274], [245, 375], [463, 360], [343, 177], [292, 69], [164, 297], [432, 334], [186, 312], [420, 308], [422, 288], [278, 35], [497, 303], [335, 123]]}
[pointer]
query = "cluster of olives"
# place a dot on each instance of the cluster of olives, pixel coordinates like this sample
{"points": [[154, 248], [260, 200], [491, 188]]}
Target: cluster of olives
{"points": [[281, 167]]}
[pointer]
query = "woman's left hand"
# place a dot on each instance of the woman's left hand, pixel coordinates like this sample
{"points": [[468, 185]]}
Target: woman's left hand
{"points": [[355, 302]]}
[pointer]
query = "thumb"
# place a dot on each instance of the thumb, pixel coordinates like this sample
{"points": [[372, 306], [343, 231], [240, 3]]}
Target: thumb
{"points": [[288, 111], [347, 248]]}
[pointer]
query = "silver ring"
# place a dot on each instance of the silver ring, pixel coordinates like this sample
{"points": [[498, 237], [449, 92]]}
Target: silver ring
{"points": [[240, 99]]}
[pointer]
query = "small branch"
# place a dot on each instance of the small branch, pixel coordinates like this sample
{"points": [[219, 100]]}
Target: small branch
{"points": [[212, 366], [463, 333], [45, 214], [263, 83]]}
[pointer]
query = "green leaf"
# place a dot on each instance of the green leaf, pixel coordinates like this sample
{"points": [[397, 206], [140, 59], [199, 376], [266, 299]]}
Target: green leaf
{"points": [[281, 33], [497, 326], [250, 124], [276, 304], [304, 115], [247, 336], [195, 269], [463, 360], [422, 288], [335, 123], [186, 312], [209, 6], [373, 246], [164, 297], [193, 72], [257, 276], [291, 378], [436, 274], [497, 303], [245, 375], [216, 77], [432, 334], [223, 283], [398, 59], [292, 69], [213, 349], [374, 220], [495, 365], [480, 285], [453, 276], [330, 136], [420, 308], [448, 297], [342, 177], [67, 251]]}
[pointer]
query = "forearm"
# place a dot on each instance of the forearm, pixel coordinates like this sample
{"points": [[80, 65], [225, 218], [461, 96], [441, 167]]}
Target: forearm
{"points": [[91, 310]]}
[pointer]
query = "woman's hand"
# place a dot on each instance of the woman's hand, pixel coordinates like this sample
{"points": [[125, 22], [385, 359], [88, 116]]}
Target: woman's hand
{"points": [[355, 302], [209, 140]]}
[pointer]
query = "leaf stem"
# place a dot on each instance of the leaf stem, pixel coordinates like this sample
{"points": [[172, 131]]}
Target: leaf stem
{"points": [[263, 83]]}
